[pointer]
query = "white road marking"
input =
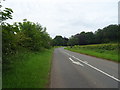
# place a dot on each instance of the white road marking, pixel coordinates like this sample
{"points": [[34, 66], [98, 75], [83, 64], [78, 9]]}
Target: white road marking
{"points": [[78, 63], [85, 62], [71, 59]]}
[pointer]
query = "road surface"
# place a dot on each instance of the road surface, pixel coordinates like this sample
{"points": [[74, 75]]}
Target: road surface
{"points": [[74, 70]]}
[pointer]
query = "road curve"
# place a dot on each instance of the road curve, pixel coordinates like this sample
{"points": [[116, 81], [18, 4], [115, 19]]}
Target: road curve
{"points": [[74, 70]]}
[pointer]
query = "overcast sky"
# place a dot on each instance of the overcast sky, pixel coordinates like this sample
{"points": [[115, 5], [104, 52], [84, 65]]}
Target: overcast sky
{"points": [[65, 17]]}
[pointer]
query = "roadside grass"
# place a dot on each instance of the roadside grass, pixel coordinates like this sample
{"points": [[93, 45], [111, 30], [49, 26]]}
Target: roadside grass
{"points": [[29, 70], [98, 50]]}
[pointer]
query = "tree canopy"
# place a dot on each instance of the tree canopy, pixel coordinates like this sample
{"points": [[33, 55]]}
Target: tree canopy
{"points": [[60, 41], [106, 35], [29, 35]]}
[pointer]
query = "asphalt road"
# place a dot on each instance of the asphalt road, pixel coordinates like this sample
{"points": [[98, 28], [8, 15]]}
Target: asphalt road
{"points": [[74, 70]]}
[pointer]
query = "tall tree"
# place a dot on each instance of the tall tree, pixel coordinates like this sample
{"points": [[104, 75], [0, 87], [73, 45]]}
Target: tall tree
{"points": [[60, 41]]}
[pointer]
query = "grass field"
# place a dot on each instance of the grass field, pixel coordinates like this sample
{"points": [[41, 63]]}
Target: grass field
{"points": [[105, 51], [30, 70]]}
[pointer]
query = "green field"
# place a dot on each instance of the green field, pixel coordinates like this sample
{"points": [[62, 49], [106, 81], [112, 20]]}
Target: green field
{"points": [[29, 70], [105, 51]]}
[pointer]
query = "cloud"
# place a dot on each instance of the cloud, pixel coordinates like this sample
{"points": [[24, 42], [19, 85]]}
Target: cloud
{"points": [[65, 17]]}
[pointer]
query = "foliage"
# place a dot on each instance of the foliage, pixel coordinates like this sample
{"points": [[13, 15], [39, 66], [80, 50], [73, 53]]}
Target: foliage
{"points": [[105, 35], [26, 34], [107, 51], [73, 41], [109, 34], [29, 70], [6, 14], [25, 50], [109, 47], [60, 41]]}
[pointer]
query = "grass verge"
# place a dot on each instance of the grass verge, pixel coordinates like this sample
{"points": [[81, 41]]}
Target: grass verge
{"points": [[29, 70], [105, 54]]}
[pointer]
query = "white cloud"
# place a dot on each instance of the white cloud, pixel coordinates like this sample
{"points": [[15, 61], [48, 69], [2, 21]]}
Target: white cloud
{"points": [[65, 17]]}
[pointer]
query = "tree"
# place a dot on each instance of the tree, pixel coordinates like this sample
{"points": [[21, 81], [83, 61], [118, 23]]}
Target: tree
{"points": [[29, 35], [60, 41], [106, 35], [35, 36], [73, 40], [8, 43], [65, 41], [90, 38], [6, 14]]}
